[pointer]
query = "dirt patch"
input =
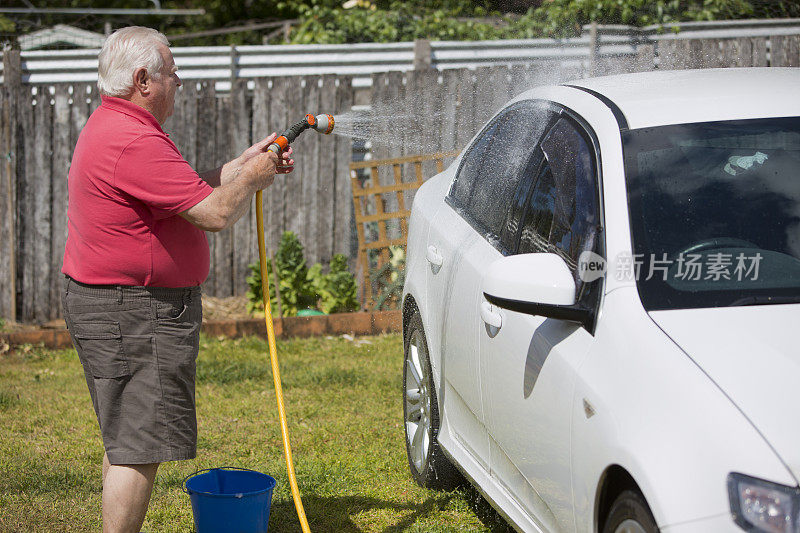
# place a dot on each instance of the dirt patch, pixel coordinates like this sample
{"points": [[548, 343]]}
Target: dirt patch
{"points": [[11, 327], [229, 308]]}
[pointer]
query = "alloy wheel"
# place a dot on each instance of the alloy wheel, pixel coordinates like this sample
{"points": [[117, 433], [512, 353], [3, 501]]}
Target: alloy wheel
{"points": [[418, 401], [630, 526]]}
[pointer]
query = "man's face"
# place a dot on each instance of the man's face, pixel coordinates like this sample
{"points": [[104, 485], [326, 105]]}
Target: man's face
{"points": [[164, 87]]}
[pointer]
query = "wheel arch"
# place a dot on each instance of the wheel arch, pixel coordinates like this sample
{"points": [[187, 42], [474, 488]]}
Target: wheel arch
{"points": [[409, 308], [613, 482]]}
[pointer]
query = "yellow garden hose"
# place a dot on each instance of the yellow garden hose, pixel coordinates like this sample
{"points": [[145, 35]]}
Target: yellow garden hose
{"points": [[273, 355], [323, 124]]}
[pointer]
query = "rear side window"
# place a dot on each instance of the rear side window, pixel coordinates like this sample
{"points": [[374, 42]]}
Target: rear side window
{"points": [[473, 163], [538, 223], [495, 164], [562, 215], [511, 229]]}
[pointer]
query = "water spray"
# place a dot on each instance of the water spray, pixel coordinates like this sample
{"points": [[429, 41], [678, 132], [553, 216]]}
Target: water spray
{"points": [[323, 124]]}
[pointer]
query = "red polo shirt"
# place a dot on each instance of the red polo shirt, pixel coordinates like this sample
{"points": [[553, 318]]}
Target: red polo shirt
{"points": [[127, 184]]}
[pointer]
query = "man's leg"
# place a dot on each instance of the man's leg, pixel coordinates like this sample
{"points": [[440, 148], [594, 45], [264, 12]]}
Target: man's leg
{"points": [[126, 495]]}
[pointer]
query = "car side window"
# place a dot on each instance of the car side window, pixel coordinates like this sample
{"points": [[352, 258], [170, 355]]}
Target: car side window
{"points": [[562, 215], [494, 166], [538, 221], [511, 229], [471, 165]]}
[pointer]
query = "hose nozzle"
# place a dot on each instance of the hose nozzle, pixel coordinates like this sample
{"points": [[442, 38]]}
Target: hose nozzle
{"points": [[322, 123]]}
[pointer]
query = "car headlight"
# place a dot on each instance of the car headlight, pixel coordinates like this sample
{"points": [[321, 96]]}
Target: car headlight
{"points": [[759, 505]]}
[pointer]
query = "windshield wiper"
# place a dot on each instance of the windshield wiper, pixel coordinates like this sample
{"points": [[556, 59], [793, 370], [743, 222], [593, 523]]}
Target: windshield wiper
{"points": [[765, 300]]}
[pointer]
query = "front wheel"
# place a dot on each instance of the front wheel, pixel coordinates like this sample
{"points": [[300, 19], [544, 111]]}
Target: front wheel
{"points": [[428, 464], [630, 514]]}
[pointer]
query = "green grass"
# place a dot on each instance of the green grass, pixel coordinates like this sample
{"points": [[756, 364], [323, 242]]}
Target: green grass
{"points": [[344, 409]]}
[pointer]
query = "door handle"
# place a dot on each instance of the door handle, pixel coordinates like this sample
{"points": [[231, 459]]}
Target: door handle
{"points": [[490, 315], [434, 257]]}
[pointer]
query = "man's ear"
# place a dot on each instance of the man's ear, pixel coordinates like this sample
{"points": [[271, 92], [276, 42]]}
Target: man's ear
{"points": [[141, 81]]}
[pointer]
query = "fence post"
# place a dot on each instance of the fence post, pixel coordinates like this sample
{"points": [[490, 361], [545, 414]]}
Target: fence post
{"points": [[12, 85], [234, 74], [645, 59], [594, 46], [423, 59], [287, 32]]}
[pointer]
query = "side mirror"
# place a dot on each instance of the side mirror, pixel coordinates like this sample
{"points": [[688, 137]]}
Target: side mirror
{"points": [[542, 278], [535, 284]]}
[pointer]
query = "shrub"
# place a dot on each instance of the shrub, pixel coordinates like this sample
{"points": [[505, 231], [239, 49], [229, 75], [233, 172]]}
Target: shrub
{"points": [[390, 279], [336, 290], [302, 287], [394, 21], [290, 261]]}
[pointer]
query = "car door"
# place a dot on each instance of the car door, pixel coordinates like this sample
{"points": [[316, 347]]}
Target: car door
{"points": [[479, 198], [529, 362]]}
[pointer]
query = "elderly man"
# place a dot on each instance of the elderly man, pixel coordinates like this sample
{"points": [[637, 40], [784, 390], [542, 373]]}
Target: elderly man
{"points": [[135, 256]]}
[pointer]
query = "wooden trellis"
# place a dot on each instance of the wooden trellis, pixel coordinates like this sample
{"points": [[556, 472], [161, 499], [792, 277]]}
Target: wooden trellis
{"points": [[370, 199]]}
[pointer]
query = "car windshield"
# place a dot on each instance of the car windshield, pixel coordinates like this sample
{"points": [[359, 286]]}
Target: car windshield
{"points": [[715, 213]]}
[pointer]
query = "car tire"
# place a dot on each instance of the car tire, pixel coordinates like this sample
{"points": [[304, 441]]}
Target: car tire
{"points": [[428, 464], [630, 514]]}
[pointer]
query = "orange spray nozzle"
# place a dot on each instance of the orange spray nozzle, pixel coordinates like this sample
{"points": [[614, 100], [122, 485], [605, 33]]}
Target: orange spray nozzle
{"points": [[322, 123]]}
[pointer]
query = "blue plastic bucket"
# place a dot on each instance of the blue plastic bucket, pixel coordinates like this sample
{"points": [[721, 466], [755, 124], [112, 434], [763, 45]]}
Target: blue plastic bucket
{"points": [[230, 500]]}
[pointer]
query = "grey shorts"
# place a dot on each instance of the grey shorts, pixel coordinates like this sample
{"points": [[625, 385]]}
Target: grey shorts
{"points": [[138, 347]]}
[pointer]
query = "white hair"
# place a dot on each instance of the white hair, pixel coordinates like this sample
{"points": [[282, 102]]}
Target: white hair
{"points": [[126, 50]]}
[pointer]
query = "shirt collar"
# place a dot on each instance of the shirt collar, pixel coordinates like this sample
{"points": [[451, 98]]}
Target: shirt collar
{"points": [[129, 108]]}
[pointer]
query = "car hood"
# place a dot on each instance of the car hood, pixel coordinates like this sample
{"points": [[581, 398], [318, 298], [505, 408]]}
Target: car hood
{"points": [[753, 354]]}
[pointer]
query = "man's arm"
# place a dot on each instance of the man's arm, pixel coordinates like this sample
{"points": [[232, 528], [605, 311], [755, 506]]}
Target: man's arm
{"points": [[222, 175], [213, 177], [230, 200], [234, 184]]}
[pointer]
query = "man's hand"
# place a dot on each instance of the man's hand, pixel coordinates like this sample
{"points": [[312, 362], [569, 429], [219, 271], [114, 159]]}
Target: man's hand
{"points": [[260, 169], [286, 163], [259, 147]]}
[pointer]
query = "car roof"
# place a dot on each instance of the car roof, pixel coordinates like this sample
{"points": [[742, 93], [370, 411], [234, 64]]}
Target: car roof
{"points": [[659, 98]]}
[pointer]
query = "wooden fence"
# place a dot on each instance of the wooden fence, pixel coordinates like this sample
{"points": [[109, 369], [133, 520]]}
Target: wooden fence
{"points": [[40, 125]]}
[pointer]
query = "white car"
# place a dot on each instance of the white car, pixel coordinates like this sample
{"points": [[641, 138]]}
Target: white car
{"points": [[601, 314]]}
